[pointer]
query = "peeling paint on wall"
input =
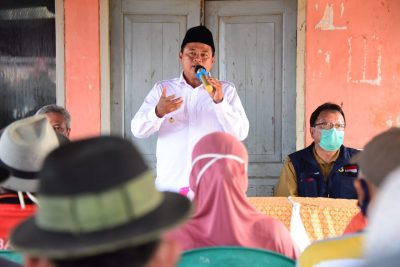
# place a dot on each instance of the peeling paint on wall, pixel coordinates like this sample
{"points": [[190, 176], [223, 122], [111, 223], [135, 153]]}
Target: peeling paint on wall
{"points": [[389, 123], [393, 123], [326, 22], [363, 71], [366, 51], [327, 57], [341, 9]]}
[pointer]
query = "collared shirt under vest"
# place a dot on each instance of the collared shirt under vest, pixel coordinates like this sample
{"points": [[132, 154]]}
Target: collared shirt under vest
{"points": [[311, 182]]}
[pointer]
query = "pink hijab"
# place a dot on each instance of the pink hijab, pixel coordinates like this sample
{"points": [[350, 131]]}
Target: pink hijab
{"points": [[223, 216]]}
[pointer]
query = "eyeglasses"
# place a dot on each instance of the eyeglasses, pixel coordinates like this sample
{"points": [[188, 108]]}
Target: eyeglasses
{"points": [[330, 125], [193, 54]]}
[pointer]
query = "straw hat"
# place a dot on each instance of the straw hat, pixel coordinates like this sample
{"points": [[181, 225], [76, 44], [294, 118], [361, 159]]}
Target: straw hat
{"points": [[23, 146]]}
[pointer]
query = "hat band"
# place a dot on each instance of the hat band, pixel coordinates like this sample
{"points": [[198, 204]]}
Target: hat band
{"points": [[18, 173], [92, 212]]}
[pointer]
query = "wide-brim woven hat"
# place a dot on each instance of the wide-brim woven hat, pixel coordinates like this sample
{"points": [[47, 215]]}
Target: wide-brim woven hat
{"points": [[24, 144], [380, 156], [97, 195]]}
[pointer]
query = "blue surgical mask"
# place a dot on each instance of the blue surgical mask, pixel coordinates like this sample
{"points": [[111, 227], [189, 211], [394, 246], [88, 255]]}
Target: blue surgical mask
{"points": [[331, 139]]}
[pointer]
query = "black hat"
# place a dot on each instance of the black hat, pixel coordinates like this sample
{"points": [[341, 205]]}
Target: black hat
{"points": [[96, 195], [198, 34]]}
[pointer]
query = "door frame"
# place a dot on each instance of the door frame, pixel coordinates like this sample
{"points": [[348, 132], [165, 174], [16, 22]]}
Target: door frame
{"points": [[105, 70]]}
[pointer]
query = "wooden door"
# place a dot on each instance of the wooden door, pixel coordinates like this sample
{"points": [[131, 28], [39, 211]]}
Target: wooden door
{"points": [[145, 43], [255, 49]]}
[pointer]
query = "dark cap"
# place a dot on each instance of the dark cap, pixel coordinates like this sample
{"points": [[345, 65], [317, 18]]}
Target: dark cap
{"points": [[198, 34], [380, 156]]}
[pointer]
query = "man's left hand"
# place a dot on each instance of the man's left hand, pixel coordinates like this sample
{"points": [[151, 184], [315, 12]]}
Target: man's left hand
{"points": [[217, 95]]}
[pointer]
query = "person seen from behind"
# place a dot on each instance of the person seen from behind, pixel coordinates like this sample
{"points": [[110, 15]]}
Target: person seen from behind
{"points": [[23, 146], [99, 208], [223, 215]]}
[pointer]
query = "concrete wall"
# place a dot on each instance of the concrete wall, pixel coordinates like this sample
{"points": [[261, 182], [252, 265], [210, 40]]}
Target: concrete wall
{"points": [[352, 58], [82, 66]]}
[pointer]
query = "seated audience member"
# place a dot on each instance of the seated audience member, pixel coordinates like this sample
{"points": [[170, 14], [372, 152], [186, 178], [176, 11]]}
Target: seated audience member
{"points": [[318, 170], [223, 215], [59, 118], [380, 156], [382, 238], [99, 207], [23, 146]]}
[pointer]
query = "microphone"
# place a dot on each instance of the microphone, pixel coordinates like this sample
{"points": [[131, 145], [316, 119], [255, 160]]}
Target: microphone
{"points": [[201, 74]]}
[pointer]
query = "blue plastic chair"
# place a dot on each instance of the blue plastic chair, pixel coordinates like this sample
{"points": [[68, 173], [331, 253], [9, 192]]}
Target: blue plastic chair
{"points": [[12, 255], [233, 257]]}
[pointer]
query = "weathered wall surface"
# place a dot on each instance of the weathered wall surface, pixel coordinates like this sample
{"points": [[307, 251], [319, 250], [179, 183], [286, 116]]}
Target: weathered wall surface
{"points": [[82, 66], [353, 59]]}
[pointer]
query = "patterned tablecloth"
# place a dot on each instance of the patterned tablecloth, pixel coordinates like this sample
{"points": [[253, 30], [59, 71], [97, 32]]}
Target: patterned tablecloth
{"points": [[322, 217]]}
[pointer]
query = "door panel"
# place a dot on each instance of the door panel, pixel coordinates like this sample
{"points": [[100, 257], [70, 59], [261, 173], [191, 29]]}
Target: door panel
{"points": [[146, 39], [256, 51], [150, 54]]}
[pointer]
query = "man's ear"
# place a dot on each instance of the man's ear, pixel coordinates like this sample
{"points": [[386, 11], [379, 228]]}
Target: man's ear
{"points": [[68, 132], [30, 261], [166, 255], [312, 130]]}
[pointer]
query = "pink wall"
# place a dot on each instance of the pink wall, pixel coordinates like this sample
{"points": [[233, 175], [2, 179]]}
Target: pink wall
{"points": [[353, 59], [82, 66]]}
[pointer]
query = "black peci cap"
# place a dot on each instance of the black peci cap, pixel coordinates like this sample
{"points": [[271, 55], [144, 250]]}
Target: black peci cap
{"points": [[198, 34]]}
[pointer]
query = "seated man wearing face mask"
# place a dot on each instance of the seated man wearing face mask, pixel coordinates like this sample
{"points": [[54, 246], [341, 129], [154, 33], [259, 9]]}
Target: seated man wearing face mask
{"points": [[321, 169]]}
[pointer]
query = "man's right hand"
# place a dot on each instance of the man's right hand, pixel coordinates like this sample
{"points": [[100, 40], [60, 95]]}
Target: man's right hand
{"points": [[167, 104]]}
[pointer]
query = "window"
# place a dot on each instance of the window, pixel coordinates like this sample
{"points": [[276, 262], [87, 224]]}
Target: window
{"points": [[27, 58]]}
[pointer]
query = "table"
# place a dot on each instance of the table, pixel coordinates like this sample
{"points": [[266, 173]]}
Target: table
{"points": [[322, 217]]}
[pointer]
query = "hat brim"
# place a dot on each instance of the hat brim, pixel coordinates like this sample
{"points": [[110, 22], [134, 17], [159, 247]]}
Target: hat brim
{"points": [[20, 184], [28, 238], [4, 172]]}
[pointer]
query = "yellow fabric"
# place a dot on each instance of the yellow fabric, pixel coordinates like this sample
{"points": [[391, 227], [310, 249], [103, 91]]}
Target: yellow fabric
{"points": [[287, 183], [345, 247], [322, 217]]}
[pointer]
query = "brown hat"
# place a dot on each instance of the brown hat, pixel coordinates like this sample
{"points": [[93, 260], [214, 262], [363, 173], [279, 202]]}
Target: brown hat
{"points": [[380, 156]]}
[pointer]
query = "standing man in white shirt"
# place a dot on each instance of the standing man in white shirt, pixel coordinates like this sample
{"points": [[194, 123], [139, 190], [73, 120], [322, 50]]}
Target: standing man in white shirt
{"points": [[182, 111]]}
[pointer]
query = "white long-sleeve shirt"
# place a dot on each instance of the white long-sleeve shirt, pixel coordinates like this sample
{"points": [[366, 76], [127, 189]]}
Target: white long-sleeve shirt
{"points": [[180, 130]]}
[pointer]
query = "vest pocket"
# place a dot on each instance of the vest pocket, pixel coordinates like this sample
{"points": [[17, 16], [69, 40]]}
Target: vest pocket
{"points": [[308, 186]]}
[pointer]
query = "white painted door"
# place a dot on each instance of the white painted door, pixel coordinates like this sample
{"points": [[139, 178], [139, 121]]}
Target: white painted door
{"points": [[255, 49]]}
